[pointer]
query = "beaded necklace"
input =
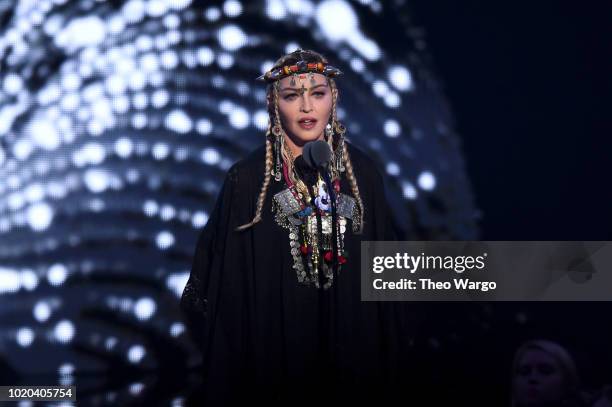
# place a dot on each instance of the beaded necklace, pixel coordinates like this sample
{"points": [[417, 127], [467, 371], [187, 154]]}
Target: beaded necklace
{"points": [[296, 209]]}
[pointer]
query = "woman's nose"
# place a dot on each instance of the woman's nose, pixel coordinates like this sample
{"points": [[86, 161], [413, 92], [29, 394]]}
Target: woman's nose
{"points": [[306, 104]]}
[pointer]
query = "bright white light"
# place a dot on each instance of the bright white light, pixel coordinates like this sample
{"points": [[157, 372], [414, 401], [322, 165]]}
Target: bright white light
{"points": [[226, 106], [275, 9], [42, 311], [25, 337], [380, 88], [134, 11], [239, 118], [34, 193], [157, 8], [167, 212], [213, 14], [136, 388], [70, 102], [172, 21], [82, 32], [144, 308], [29, 279], [337, 19], [205, 56], [260, 119], [169, 59], [44, 134], [140, 100], [12, 84], [136, 353], [393, 168], [232, 8], [357, 64], [66, 369], [71, 81], [210, 156], [160, 98], [225, 61], [392, 99], [199, 219], [409, 190], [427, 181], [164, 239], [178, 121], [9, 280], [177, 282], [266, 66], [64, 331], [115, 24], [57, 274], [150, 208], [149, 62], [401, 78], [392, 128], [204, 126], [124, 147], [292, 46], [139, 120], [39, 216], [160, 151], [115, 84], [138, 80], [93, 153], [96, 180], [22, 149], [231, 37], [177, 329], [15, 201]]}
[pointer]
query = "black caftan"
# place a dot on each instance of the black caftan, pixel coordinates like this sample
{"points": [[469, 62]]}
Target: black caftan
{"points": [[263, 335]]}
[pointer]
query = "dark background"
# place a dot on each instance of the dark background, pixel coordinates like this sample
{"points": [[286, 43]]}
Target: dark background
{"points": [[529, 83]]}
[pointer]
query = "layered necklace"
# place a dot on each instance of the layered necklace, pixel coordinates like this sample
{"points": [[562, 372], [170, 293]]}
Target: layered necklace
{"points": [[299, 209]]}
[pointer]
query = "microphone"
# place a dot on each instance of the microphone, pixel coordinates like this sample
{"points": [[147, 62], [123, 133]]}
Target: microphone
{"points": [[317, 154]]}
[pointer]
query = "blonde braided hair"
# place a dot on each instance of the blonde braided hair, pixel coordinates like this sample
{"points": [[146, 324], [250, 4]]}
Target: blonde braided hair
{"points": [[264, 187]]}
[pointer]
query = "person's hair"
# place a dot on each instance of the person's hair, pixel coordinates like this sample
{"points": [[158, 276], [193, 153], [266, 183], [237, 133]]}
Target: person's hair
{"points": [[571, 380], [274, 119]]}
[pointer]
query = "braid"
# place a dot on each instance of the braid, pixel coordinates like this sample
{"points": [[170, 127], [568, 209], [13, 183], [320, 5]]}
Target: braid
{"points": [[264, 187], [354, 188]]}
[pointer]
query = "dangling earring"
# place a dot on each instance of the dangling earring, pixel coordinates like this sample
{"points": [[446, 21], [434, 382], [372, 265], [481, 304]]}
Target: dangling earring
{"points": [[328, 132], [293, 79], [278, 134]]}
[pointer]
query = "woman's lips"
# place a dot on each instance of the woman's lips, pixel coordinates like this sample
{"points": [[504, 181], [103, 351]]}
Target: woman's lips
{"points": [[307, 124]]}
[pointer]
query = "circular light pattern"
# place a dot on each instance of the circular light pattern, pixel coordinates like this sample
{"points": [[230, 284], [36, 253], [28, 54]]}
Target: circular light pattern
{"points": [[25, 337], [57, 274], [401, 78], [64, 331], [42, 311], [144, 308], [426, 181], [136, 353], [392, 128], [164, 240]]}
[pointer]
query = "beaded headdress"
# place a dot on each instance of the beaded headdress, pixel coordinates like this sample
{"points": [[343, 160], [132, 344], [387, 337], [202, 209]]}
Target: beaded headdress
{"points": [[300, 67]]}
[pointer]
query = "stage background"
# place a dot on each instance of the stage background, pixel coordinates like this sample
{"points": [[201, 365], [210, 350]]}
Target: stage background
{"points": [[119, 119]]}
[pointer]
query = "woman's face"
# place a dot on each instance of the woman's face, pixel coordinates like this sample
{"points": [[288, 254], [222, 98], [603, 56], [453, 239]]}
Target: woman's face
{"points": [[538, 380], [305, 107]]}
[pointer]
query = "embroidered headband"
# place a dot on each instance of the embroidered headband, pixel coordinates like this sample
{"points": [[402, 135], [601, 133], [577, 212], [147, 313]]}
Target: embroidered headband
{"points": [[300, 67]]}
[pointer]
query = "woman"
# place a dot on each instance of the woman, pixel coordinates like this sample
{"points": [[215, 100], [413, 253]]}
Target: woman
{"points": [[274, 292], [545, 375]]}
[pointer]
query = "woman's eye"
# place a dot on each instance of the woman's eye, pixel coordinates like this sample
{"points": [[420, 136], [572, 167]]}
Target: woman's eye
{"points": [[290, 97], [319, 94]]}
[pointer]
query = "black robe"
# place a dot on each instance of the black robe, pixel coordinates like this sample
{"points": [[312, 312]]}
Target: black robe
{"points": [[263, 335]]}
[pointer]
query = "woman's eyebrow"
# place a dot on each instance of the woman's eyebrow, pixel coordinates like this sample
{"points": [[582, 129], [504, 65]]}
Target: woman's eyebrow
{"points": [[311, 88]]}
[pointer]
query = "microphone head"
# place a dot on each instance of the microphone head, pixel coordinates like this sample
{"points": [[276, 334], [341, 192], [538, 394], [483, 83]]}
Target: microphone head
{"points": [[317, 154]]}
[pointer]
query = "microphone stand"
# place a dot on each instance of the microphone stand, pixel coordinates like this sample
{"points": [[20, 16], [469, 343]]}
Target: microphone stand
{"points": [[332, 195]]}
